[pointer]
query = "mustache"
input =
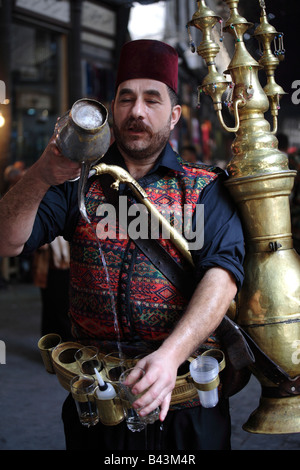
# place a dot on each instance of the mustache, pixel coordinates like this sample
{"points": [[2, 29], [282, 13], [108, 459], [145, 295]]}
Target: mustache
{"points": [[136, 125]]}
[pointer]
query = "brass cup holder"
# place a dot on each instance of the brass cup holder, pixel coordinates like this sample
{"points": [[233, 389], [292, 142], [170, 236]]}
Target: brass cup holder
{"points": [[46, 345]]}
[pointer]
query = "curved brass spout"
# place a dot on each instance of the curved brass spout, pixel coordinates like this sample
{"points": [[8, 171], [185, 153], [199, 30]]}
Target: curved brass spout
{"points": [[122, 176], [275, 126], [235, 107]]}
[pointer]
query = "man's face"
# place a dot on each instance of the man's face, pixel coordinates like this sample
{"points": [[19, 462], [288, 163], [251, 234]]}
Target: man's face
{"points": [[143, 117]]}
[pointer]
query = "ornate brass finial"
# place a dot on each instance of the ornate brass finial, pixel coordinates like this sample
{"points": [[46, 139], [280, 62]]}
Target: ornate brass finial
{"points": [[266, 34], [255, 147], [214, 84]]}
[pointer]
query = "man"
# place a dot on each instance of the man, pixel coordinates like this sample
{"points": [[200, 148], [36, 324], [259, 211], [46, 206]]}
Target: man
{"points": [[150, 310]]}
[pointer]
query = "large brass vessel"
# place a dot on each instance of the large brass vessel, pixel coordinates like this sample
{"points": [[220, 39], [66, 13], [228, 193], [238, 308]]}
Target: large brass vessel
{"points": [[260, 183]]}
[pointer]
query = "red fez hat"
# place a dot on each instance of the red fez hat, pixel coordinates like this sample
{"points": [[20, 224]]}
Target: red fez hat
{"points": [[147, 58]]}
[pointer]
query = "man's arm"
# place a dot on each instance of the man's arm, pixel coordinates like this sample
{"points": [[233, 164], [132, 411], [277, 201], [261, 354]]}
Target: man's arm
{"points": [[204, 313], [19, 206]]}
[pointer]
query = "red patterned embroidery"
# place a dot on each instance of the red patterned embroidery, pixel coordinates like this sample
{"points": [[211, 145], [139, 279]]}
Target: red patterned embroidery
{"points": [[147, 305]]}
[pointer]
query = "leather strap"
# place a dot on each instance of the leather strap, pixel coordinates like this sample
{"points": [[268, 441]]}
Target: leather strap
{"points": [[183, 280], [286, 385]]}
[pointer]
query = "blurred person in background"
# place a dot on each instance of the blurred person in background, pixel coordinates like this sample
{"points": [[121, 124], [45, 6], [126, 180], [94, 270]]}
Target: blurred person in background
{"points": [[51, 273]]}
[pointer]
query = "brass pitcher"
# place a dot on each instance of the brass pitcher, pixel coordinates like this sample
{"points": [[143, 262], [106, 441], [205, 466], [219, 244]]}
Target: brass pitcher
{"points": [[82, 133]]}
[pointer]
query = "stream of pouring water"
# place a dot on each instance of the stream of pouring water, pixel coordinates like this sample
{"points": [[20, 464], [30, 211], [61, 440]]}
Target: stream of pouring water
{"points": [[85, 169]]}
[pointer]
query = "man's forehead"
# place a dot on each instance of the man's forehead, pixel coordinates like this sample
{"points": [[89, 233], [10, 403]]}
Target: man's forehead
{"points": [[142, 85]]}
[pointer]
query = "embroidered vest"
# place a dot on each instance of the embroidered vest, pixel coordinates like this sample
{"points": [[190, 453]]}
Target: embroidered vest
{"points": [[116, 292]]}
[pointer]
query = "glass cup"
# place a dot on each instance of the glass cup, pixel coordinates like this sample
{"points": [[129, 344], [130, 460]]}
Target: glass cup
{"points": [[87, 360], [114, 365], [134, 421], [205, 372], [82, 389]]}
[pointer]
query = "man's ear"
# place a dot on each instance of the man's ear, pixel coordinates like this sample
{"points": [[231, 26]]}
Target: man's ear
{"points": [[175, 116]]}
